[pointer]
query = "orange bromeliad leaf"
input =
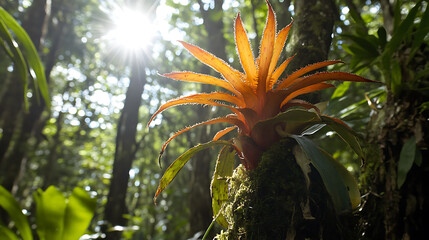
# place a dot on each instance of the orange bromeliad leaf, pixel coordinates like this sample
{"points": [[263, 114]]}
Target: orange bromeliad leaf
{"points": [[257, 94], [266, 53], [245, 51], [286, 82], [201, 78]]}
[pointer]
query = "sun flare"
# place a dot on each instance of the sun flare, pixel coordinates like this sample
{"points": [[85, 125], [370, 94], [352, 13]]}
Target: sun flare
{"points": [[131, 30]]}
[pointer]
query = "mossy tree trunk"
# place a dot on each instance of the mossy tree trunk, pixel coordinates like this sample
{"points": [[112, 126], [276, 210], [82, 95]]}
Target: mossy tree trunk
{"points": [[312, 34], [274, 201], [392, 211]]}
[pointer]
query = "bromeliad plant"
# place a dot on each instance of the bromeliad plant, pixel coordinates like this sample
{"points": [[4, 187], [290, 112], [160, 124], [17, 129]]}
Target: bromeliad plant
{"points": [[264, 110]]}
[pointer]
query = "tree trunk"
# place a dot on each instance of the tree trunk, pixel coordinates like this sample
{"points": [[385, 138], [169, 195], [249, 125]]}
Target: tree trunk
{"points": [[392, 211], [312, 35], [273, 201], [199, 197], [125, 151]]}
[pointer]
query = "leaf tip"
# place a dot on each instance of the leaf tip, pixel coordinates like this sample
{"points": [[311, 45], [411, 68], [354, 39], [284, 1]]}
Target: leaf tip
{"points": [[160, 157]]}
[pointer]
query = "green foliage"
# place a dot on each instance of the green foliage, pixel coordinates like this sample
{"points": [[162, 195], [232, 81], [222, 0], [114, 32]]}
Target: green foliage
{"points": [[8, 203], [340, 184], [5, 233], [257, 198], [171, 172], [57, 217], [376, 50], [31, 56], [409, 154], [219, 186], [61, 218]]}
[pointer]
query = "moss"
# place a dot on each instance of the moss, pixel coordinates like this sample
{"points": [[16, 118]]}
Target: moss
{"points": [[273, 202], [266, 203]]}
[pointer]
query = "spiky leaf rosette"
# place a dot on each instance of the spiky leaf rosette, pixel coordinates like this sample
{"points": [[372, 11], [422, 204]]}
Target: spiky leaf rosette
{"points": [[263, 107]]}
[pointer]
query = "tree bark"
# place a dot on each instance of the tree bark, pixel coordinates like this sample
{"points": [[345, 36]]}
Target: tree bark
{"points": [[392, 211], [125, 151], [199, 197], [312, 35], [273, 201], [388, 15]]}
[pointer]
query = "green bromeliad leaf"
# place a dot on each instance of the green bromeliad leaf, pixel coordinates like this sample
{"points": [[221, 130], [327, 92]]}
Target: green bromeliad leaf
{"points": [[12, 49], [60, 218], [339, 183], [407, 157], [297, 120], [345, 133], [30, 52], [219, 185], [50, 212], [293, 117], [78, 214], [177, 165], [6, 233], [292, 121], [11, 206]]}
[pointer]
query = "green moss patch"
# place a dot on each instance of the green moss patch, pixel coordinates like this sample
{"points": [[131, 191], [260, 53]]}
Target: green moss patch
{"points": [[267, 202]]}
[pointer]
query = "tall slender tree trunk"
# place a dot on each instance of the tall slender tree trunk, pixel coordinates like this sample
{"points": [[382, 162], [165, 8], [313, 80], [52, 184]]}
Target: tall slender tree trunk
{"points": [[391, 210], [312, 34], [125, 151], [200, 201]]}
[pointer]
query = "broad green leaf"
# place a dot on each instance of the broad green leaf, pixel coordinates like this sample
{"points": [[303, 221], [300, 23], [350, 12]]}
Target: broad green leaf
{"points": [[366, 46], [357, 18], [15, 54], [420, 34], [345, 133], [7, 234], [345, 112], [78, 214], [340, 185], [50, 211], [313, 129], [296, 120], [396, 77], [421, 74], [419, 158], [397, 14], [11, 206], [406, 159], [219, 185], [31, 54], [423, 107], [348, 180], [341, 90], [382, 37], [177, 165], [360, 52], [401, 32]]}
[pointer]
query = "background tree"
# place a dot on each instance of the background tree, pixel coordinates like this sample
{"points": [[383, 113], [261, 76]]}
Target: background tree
{"points": [[396, 132]]}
